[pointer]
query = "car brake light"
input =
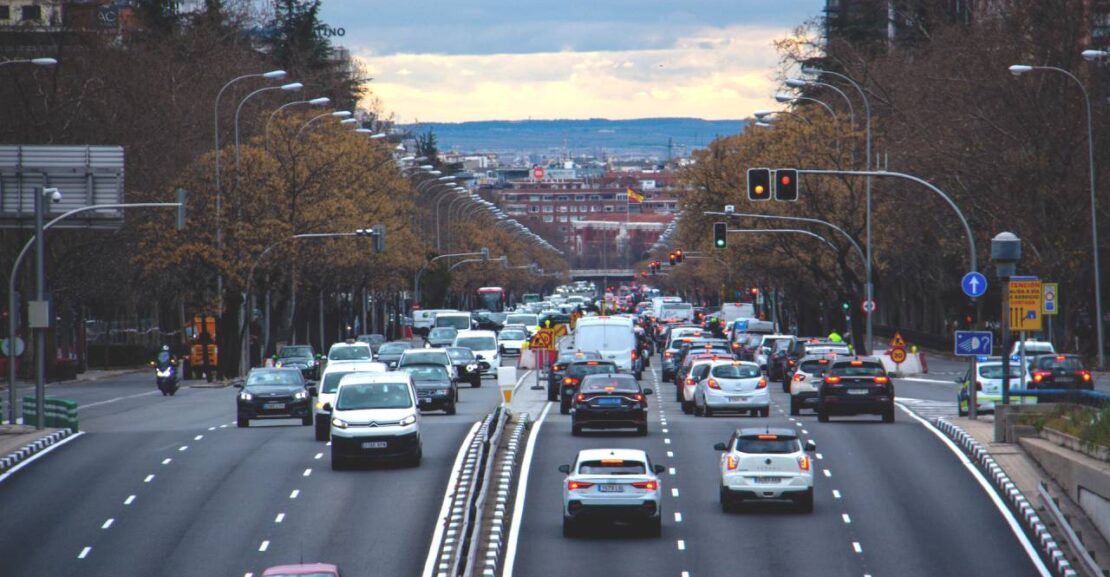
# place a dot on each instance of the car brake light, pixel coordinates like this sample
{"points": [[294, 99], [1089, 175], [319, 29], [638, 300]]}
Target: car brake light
{"points": [[799, 377], [637, 397], [881, 380], [768, 437], [668, 354], [832, 380], [856, 363], [568, 381], [731, 463], [689, 381], [581, 397], [649, 485], [1039, 376], [762, 384], [803, 462], [735, 346], [1085, 375], [633, 354], [792, 362], [822, 361], [591, 363], [575, 485], [713, 384], [1061, 358]]}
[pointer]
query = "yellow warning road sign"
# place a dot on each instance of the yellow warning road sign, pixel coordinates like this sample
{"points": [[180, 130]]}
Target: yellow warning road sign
{"points": [[897, 342], [1026, 304]]}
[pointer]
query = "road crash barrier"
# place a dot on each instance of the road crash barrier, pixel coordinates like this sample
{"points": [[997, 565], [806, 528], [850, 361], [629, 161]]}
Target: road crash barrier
{"points": [[7, 462], [496, 491], [1022, 509], [58, 413]]}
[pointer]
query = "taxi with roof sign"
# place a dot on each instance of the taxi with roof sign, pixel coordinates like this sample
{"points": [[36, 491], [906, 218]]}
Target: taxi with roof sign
{"points": [[612, 485], [763, 463]]}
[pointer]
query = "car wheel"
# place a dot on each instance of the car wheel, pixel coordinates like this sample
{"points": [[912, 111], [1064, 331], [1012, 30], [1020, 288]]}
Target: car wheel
{"points": [[765, 412], [888, 415], [687, 407], [337, 463], [707, 411], [794, 407], [414, 461], [564, 407], [476, 383], [678, 394], [726, 501], [570, 527], [642, 430], [655, 527], [552, 394], [805, 503], [639, 375], [698, 410], [450, 410], [243, 421], [786, 386], [575, 430], [323, 429], [822, 416]]}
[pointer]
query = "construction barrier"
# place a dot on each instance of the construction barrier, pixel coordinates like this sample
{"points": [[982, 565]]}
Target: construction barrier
{"points": [[58, 413]]}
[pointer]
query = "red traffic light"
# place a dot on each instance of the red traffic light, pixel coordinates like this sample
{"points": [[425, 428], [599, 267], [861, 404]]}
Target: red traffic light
{"points": [[755, 291]]}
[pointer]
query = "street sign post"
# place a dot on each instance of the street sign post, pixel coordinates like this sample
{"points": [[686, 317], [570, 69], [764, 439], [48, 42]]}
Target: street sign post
{"points": [[974, 343], [868, 306], [1025, 304], [974, 284], [1048, 298], [898, 348]]}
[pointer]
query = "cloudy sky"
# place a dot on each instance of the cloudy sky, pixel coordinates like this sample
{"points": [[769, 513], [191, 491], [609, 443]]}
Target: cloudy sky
{"points": [[456, 60]]}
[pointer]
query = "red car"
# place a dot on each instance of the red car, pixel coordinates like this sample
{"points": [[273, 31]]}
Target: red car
{"points": [[304, 570]]}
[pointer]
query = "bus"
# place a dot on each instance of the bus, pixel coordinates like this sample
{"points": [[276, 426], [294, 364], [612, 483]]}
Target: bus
{"points": [[491, 298]]}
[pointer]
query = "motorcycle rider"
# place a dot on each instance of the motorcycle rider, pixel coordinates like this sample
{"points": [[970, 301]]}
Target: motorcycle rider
{"points": [[163, 361]]}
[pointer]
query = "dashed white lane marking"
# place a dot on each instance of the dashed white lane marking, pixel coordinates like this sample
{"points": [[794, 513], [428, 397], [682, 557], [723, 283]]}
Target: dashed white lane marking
{"points": [[827, 472], [678, 517], [847, 519], [107, 523], [685, 574], [211, 428], [223, 426], [129, 500], [307, 472], [666, 441], [671, 471], [280, 517], [319, 456], [797, 424], [233, 422], [167, 461], [116, 400], [819, 456], [148, 478], [249, 575], [674, 491], [681, 545], [836, 494], [792, 419], [264, 546], [856, 547], [294, 494], [329, 443], [805, 432], [666, 430], [670, 454], [183, 448], [198, 437], [84, 553]]}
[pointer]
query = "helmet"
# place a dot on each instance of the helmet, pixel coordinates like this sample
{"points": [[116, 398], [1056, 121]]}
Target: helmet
{"points": [[166, 348]]}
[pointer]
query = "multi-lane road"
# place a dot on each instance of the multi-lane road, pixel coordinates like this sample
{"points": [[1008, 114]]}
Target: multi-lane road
{"points": [[168, 486], [890, 500]]}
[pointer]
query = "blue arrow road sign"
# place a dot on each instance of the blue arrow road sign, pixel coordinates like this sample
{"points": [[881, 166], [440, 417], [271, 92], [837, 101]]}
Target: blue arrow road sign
{"points": [[974, 284], [974, 343]]}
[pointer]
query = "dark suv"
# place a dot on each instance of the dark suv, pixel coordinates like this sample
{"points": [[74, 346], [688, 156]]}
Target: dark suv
{"points": [[854, 387], [301, 357], [274, 394], [610, 402], [573, 377], [559, 368], [1059, 372]]}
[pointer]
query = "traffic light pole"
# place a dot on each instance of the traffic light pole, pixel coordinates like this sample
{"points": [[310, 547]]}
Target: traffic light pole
{"points": [[855, 244]]}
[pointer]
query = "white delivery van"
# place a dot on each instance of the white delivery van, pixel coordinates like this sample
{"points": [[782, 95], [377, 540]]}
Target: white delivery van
{"points": [[732, 311], [612, 338], [456, 320], [424, 319]]}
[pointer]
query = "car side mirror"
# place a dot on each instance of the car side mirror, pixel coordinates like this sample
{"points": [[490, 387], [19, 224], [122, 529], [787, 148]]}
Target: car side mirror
{"points": [[326, 407], [811, 446], [720, 447], [564, 469], [649, 391]]}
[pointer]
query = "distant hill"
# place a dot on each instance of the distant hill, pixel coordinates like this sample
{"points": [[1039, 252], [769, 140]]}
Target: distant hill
{"points": [[642, 137]]}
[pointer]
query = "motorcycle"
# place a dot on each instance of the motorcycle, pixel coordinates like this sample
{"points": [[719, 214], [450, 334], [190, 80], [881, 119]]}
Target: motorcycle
{"points": [[165, 375]]}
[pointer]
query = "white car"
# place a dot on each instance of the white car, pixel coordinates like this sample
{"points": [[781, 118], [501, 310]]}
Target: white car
{"points": [[1033, 348], [806, 382], [375, 418], [767, 345], [352, 351], [698, 370], [766, 463], [732, 386], [988, 385], [329, 384], [612, 485], [484, 346], [511, 341]]}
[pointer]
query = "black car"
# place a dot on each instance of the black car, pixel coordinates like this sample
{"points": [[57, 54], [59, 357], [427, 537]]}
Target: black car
{"points": [[435, 389], [559, 368], [1059, 372], [274, 394], [374, 340], [467, 366], [389, 353], [301, 357], [574, 374], [610, 402], [854, 387]]}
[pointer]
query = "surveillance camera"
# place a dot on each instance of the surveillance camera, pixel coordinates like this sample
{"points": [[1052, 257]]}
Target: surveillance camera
{"points": [[730, 208], [55, 194]]}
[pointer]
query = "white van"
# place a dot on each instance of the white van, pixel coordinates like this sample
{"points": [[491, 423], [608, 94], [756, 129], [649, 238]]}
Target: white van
{"points": [[424, 319], [732, 311], [658, 302], [375, 417], [456, 320], [612, 338], [329, 384]]}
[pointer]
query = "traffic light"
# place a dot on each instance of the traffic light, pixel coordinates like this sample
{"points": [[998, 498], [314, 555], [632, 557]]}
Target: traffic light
{"points": [[379, 237], [755, 292], [786, 184], [720, 231], [678, 255], [845, 306], [759, 184], [969, 316]]}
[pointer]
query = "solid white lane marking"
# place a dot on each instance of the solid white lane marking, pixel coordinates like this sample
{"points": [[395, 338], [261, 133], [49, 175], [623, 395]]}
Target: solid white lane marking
{"points": [[671, 470], [836, 494], [129, 500], [819, 456], [148, 478], [117, 399], [1030, 551], [38, 455], [167, 461], [518, 506], [84, 553], [319, 456], [674, 491], [107, 523], [920, 380], [183, 448], [329, 443], [827, 472], [280, 517], [678, 517], [847, 519], [264, 546], [670, 454], [198, 437], [307, 472], [681, 545], [294, 494], [445, 506], [857, 547]]}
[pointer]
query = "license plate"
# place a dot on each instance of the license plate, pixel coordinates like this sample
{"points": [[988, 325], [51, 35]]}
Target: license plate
{"points": [[858, 391], [375, 445], [611, 488], [271, 406], [768, 480], [737, 399], [608, 401]]}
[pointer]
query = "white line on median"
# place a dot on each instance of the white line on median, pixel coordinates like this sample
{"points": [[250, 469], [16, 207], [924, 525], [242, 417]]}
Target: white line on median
{"points": [[38, 455], [445, 507], [84, 553], [521, 491], [117, 399]]}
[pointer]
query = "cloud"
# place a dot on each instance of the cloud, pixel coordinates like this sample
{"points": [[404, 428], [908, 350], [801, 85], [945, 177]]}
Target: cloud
{"points": [[710, 73]]}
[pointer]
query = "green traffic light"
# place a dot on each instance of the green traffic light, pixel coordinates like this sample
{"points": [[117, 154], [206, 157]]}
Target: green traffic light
{"points": [[844, 306]]}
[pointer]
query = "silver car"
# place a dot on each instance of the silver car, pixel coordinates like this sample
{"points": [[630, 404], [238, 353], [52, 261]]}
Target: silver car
{"points": [[612, 485]]}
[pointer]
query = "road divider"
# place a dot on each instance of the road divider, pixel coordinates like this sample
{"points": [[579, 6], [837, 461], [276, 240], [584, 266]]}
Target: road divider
{"points": [[18, 459], [57, 413]]}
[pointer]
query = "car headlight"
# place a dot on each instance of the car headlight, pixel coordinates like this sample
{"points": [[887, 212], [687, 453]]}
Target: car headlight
{"points": [[471, 367], [441, 391], [409, 420], [246, 396], [300, 395], [339, 423]]}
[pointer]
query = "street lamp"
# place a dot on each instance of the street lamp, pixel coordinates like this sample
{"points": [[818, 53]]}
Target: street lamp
{"points": [[322, 101], [802, 83], [335, 114], [33, 61], [291, 87], [1005, 253], [1018, 70]]}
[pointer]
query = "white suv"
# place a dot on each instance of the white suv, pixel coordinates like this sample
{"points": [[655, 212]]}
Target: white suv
{"points": [[329, 384], [612, 485], [766, 463], [375, 417]]}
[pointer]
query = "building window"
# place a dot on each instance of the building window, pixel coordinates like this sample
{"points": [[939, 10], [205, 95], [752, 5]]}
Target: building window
{"points": [[574, 208], [562, 219], [595, 208], [595, 197], [562, 197], [579, 197], [5, 12], [533, 198], [562, 209], [548, 218], [533, 209], [32, 12], [608, 208], [549, 209]]}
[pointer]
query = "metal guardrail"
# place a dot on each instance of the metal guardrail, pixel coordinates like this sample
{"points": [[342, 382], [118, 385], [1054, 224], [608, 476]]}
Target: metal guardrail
{"points": [[1070, 535], [496, 533]]}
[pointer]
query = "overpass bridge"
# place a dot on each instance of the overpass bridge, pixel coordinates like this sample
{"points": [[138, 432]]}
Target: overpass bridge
{"points": [[603, 273]]}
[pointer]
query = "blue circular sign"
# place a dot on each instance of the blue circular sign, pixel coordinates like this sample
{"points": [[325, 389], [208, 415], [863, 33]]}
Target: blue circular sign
{"points": [[974, 284]]}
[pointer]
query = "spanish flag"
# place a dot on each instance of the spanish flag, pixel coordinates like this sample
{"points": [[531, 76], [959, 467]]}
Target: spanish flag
{"points": [[634, 196]]}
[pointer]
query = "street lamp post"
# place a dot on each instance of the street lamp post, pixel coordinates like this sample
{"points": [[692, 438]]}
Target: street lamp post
{"points": [[1018, 70], [322, 101], [291, 87], [337, 114]]}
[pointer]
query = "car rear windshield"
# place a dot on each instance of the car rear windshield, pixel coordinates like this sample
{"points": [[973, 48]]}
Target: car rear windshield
{"points": [[360, 396], [293, 352], [372, 339], [444, 332], [416, 357], [995, 371], [526, 320], [601, 385], [512, 335], [350, 354], [426, 373], [271, 378], [816, 368], [461, 354], [735, 371], [862, 370], [390, 348], [582, 369], [477, 343], [612, 467], [773, 446], [331, 381], [1053, 364]]}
